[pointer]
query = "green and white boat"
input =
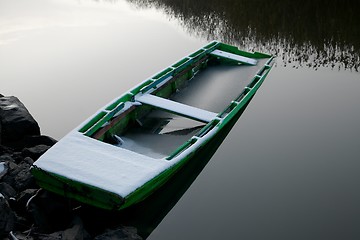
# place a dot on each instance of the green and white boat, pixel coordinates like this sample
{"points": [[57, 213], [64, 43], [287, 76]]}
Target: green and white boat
{"points": [[134, 144]]}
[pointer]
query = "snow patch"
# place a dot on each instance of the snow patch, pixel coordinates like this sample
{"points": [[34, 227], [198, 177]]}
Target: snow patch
{"points": [[99, 164], [176, 107], [2, 167]]}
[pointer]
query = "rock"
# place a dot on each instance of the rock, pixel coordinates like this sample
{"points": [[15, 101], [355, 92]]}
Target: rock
{"points": [[122, 233], [17, 157], [20, 236], [13, 167], [7, 217], [5, 149], [14, 157], [52, 236], [16, 121], [19, 176], [35, 152], [28, 160], [7, 190], [23, 178], [23, 198], [50, 212], [23, 223], [21, 144], [77, 231], [32, 141], [6, 157], [9, 177], [3, 169]]}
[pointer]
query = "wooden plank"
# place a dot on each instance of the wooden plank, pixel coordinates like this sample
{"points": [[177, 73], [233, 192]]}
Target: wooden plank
{"points": [[234, 57], [177, 108]]}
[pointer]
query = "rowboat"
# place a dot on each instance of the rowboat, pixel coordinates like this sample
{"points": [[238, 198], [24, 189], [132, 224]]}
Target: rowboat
{"points": [[138, 141]]}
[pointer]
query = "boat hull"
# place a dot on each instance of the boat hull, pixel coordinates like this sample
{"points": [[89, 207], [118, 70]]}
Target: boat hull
{"points": [[97, 162]]}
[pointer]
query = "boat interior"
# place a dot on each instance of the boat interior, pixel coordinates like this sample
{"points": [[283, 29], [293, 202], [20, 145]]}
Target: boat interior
{"points": [[183, 101]]}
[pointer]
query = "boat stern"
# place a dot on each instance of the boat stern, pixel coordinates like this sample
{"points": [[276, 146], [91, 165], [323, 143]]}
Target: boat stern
{"points": [[79, 191]]}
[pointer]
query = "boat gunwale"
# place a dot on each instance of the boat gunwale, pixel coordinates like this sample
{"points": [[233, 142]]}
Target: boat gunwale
{"points": [[152, 84], [116, 110]]}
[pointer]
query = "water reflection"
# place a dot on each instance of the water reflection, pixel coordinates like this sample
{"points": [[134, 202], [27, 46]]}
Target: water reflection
{"points": [[302, 33]]}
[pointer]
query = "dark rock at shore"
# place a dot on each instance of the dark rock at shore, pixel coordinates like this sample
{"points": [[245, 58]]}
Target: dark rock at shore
{"points": [[24, 179], [4, 149], [12, 170], [19, 176], [50, 212], [23, 198], [59, 220], [29, 160], [7, 217], [27, 212], [35, 152], [125, 233], [3, 169], [16, 121], [33, 141], [7, 190], [77, 231]]}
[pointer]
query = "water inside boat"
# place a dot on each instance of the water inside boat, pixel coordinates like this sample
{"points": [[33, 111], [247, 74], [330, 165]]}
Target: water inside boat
{"points": [[159, 133], [215, 87]]}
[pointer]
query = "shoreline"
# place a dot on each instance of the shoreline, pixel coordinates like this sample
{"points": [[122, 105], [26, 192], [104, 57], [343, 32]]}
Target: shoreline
{"points": [[26, 211]]}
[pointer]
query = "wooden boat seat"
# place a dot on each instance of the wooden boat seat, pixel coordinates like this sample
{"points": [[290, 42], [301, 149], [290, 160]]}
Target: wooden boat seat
{"points": [[234, 57], [177, 108]]}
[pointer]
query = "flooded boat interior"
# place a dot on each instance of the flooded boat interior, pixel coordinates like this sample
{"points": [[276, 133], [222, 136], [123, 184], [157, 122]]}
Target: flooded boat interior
{"points": [[157, 131]]}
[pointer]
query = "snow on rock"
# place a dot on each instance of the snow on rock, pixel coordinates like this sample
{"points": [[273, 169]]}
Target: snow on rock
{"points": [[3, 169]]}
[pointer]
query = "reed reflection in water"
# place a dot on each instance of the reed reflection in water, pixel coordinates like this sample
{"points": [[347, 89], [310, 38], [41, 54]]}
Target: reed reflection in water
{"points": [[301, 33]]}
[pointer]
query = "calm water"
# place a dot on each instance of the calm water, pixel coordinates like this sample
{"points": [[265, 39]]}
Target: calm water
{"points": [[289, 169]]}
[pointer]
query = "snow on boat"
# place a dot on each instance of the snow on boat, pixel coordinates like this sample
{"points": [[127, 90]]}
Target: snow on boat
{"points": [[134, 144]]}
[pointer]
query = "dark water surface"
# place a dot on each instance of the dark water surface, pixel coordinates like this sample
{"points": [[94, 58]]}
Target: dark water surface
{"points": [[289, 168]]}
